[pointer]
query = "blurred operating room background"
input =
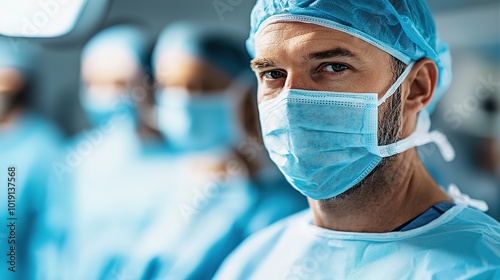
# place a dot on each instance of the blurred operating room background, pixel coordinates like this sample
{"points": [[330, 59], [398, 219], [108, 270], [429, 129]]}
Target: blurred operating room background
{"points": [[465, 113], [61, 60], [469, 113]]}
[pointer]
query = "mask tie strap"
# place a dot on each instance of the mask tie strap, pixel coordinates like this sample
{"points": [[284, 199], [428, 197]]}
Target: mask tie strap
{"points": [[398, 82], [460, 198], [420, 137]]}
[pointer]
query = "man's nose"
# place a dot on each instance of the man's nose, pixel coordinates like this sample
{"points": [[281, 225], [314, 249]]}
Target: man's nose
{"points": [[297, 80]]}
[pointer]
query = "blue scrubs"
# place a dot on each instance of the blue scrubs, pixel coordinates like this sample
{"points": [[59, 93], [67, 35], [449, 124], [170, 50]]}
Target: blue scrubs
{"points": [[117, 186], [145, 212], [29, 145], [205, 223], [428, 216], [276, 200]]}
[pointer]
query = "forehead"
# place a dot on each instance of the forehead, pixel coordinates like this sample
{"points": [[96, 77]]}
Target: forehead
{"points": [[177, 68], [297, 38], [171, 64], [109, 64]]}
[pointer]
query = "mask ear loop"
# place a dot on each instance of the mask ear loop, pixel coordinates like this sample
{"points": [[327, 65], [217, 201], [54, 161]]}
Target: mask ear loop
{"points": [[398, 83], [421, 135]]}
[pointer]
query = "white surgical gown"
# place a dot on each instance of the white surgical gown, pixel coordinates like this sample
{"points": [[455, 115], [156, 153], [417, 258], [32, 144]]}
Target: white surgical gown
{"points": [[461, 244], [206, 222]]}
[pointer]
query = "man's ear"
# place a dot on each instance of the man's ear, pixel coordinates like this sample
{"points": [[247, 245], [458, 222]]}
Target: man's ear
{"points": [[422, 81]]}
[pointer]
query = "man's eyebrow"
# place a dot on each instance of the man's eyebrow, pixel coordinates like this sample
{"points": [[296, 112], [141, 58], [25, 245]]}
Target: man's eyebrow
{"points": [[259, 63], [337, 52]]}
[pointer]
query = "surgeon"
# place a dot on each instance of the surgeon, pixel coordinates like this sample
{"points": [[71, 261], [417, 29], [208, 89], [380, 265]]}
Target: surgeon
{"points": [[344, 89], [226, 187], [28, 145]]}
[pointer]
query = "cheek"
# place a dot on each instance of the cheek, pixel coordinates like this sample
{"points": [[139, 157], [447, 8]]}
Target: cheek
{"points": [[356, 82], [266, 93], [260, 94], [383, 79], [374, 82]]}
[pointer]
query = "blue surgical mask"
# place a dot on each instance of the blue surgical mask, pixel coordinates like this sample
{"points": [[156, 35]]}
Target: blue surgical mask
{"points": [[326, 142], [101, 110], [199, 121]]}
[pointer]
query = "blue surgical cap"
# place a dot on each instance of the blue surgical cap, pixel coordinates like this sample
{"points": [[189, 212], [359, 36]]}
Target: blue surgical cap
{"points": [[403, 28], [221, 47], [125, 37]]}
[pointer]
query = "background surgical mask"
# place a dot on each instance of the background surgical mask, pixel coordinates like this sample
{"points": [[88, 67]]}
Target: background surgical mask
{"points": [[199, 121], [100, 107]]}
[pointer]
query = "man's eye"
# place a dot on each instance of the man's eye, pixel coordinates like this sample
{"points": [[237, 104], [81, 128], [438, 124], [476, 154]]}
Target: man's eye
{"points": [[274, 75], [335, 67]]}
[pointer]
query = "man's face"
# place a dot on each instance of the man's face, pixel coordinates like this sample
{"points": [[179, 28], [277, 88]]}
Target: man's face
{"points": [[109, 73], [295, 55], [311, 57], [179, 70], [197, 77]]}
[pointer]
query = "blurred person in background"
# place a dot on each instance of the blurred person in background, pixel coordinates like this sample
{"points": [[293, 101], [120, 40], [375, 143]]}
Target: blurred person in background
{"points": [[227, 187], [141, 198], [206, 105], [117, 170], [114, 75], [28, 146]]}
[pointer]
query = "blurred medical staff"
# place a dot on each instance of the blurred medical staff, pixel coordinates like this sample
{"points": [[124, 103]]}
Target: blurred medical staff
{"points": [[28, 145], [229, 188], [113, 71], [206, 106], [117, 170]]}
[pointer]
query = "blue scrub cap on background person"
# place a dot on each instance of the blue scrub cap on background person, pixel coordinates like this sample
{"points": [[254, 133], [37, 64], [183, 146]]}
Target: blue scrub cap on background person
{"points": [[219, 46], [403, 28], [126, 37]]}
